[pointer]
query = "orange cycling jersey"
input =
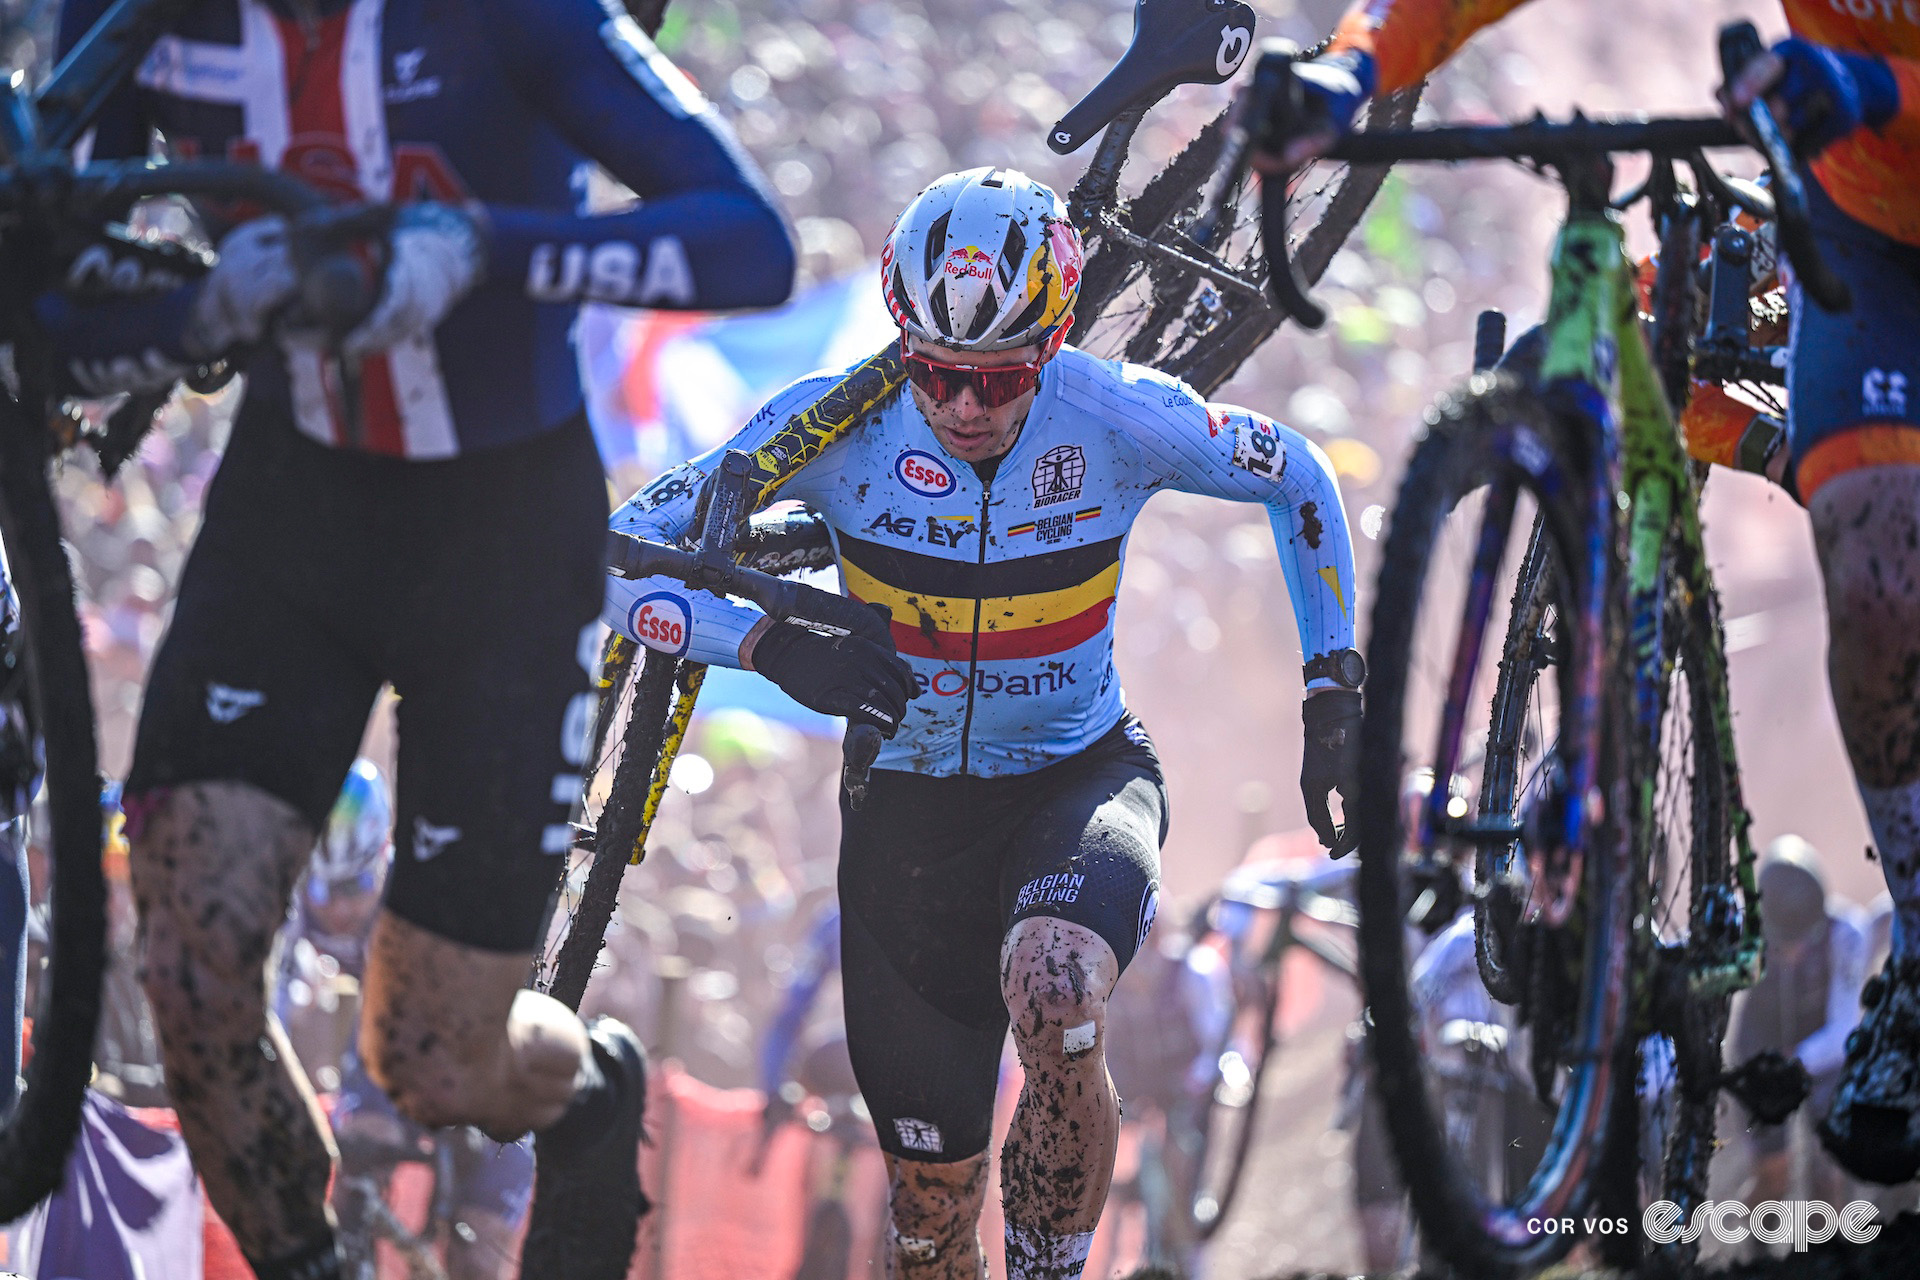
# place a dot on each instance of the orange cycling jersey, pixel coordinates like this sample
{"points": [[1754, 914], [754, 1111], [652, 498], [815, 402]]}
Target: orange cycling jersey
{"points": [[1870, 173]]}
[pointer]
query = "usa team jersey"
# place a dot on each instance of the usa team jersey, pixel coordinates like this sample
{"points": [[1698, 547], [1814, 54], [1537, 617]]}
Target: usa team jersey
{"points": [[1002, 592], [497, 102], [1872, 174]]}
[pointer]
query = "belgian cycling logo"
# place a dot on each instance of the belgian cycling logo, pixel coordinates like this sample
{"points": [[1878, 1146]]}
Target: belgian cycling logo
{"points": [[1061, 886], [923, 473], [662, 621], [1058, 474]]}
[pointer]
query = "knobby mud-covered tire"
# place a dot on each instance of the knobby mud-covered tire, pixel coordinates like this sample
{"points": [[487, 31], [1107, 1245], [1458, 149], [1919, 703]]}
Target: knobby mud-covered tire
{"points": [[40, 1133], [1458, 455], [618, 827]]}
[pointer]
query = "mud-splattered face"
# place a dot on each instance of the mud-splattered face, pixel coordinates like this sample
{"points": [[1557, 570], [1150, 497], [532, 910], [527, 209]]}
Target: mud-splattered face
{"points": [[964, 426]]}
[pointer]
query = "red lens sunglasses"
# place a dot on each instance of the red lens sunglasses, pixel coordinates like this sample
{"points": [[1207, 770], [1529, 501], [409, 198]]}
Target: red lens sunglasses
{"points": [[995, 385]]}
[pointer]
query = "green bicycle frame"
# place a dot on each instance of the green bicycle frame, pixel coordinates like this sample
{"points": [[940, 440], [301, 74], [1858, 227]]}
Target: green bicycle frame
{"points": [[1596, 348]]}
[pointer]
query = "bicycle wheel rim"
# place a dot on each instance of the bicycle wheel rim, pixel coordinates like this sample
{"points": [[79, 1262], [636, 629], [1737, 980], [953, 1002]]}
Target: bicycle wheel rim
{"points": [[1688, 892], [1163, 314], [41, 1131], [1474, 447]]}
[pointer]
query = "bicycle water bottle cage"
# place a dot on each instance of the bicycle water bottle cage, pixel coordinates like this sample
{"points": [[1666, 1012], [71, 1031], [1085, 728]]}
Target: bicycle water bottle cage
{"points": [[1174, 42]]}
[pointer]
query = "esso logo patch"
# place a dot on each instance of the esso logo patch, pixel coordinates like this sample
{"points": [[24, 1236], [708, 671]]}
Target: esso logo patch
{"points": [[924, 474], [662, 621]]}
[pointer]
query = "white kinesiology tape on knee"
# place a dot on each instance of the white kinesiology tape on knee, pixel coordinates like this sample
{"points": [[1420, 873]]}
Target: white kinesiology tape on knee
{"points": [[1077, 1040], [1893, 814], [1035, 1255]]}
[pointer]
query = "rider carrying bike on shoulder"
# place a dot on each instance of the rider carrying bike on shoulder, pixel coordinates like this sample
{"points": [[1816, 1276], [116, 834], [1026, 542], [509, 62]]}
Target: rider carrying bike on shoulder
{"points": [[1005, 864], [419, 504], [1846, 87]]}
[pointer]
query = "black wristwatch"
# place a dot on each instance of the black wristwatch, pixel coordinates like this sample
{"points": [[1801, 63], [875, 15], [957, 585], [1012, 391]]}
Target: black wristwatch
{"points": [[1345, 667]]}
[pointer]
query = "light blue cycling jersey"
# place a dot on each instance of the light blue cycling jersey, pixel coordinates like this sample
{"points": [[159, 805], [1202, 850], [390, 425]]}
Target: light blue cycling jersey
{"points": [[1002, 589]]}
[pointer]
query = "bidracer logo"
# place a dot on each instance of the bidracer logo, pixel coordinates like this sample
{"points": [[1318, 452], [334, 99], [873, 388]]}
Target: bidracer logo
{"points": [[662, 621], [923, 473]]}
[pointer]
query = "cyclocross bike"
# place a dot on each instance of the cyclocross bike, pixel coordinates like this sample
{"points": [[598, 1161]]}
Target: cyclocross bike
{"points": [[52, 212], [1611, 870], [1149, 293]]}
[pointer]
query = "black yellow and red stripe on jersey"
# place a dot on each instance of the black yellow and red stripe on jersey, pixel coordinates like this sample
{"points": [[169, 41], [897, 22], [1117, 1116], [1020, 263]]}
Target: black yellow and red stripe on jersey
{"points": [[1872, 174], [1032, 607]]}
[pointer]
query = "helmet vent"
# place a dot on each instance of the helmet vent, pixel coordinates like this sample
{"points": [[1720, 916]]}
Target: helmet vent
{"points": [[1012, 254], [902, 297], [992, 180], [1030, 316], [937, 243], [937, 303]]}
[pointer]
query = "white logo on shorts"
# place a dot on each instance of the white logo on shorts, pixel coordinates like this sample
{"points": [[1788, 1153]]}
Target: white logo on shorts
{"points": [[226, 704], [918, 1135], [1883, 391], [429, 840]]}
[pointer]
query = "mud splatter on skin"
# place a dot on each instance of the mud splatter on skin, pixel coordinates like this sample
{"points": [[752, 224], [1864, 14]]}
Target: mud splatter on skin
{"points": [[1057, 1163], [937, 1205], [213, 869], [1867, 530]]}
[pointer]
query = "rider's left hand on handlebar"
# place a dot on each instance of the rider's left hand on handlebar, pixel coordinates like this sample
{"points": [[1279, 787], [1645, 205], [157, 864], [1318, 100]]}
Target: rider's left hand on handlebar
{"points": [[1333, 88], [1331, 762], [254, 278], [435, 257], [1820, 95]]}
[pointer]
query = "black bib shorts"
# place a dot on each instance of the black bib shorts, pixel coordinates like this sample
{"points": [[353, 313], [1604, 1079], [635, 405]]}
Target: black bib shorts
{"points": [[472, 585], [933, 874]]}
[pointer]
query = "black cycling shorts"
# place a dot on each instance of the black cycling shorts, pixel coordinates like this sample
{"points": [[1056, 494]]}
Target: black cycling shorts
{"points": [[933, 874], [472, 585]]}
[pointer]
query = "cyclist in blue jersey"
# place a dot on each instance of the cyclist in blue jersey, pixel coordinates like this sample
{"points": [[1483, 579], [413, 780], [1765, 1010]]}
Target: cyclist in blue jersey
{"points": [[419, 507], [1005, 865]]}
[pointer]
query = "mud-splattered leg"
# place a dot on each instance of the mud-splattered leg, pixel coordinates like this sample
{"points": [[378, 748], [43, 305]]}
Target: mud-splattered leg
{"points": [[1867, 526], [1057, 1163], [213, 868], [934, 1212], [447, 1030]]}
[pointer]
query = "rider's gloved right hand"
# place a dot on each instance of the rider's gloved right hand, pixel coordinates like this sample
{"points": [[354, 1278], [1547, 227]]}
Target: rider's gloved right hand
{"points": [[1336, 86], [837, 675], [1828, 93], [253, 279]]}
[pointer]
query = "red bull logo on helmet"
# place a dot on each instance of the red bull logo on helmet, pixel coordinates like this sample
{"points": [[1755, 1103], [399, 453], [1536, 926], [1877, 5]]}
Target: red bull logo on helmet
{"points": [[970, 261]]}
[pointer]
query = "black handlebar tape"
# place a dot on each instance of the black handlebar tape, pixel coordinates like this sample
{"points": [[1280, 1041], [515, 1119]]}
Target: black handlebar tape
{"points": [[1489, 339]]}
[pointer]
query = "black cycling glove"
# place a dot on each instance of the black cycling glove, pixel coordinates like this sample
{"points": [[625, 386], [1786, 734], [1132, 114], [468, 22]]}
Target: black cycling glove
{"points": [[837, 675], [1331, 762]]}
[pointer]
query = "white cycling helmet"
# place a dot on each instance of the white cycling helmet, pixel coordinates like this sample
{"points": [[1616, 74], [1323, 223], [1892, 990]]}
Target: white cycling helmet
{"points": [[359, 832], [983, 260]]}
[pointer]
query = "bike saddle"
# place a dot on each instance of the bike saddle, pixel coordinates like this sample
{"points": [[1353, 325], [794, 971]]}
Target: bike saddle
{"points": [[1174, 42]]}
